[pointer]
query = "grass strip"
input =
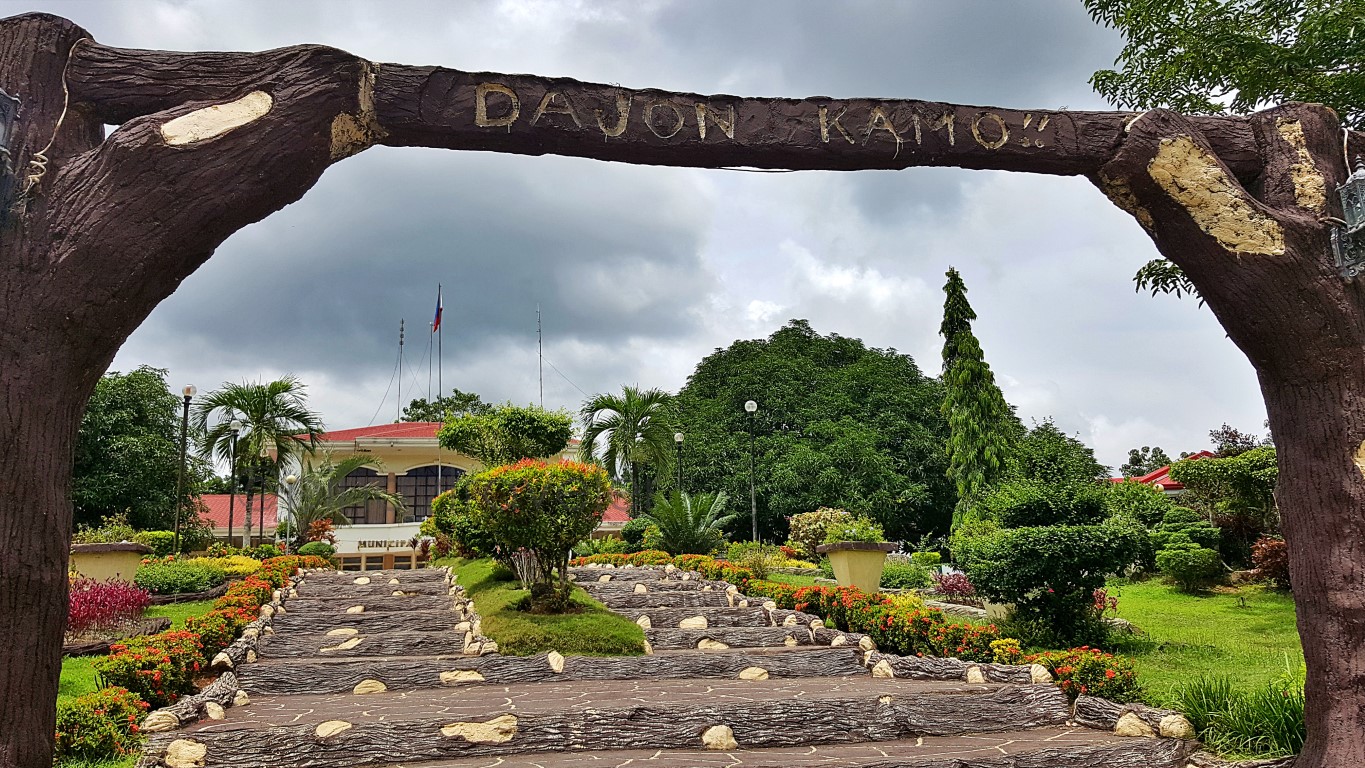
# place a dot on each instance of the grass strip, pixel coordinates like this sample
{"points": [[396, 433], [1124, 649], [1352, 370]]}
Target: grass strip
{"points": [[593, 631]]}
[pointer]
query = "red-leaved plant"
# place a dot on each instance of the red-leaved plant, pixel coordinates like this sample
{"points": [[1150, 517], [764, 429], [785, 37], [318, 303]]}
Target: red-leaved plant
{"points": [[96, 606], [953, 585]]}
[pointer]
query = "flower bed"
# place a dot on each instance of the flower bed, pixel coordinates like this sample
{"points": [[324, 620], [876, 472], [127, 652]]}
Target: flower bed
{"points": [[1091, 672], [101, 606], [158, 669]]}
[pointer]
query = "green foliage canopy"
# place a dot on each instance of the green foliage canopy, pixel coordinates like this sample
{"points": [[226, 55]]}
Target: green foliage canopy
{"points": [[688, 524], [454, 404], [128, 452], [507, 433], [631, 434], [1144, 460], [1242, 484], [838, 425]]}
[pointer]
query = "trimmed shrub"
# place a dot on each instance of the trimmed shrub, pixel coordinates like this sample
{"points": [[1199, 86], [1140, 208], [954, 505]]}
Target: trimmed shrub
{"points": [[452, 514], [1139, 502], [179, 577], [161, 542], [853, 528], [158, 668], [317, 549], [236, 566], [903, 574], [1270, 555], [545, 509], [953, 585], [1007, 651], [216, 629], [633, 533], [1051, 573], [1181, 521], [808, 529], [263, 552], [1191, 567], [94, 606], [1091, 672], [1034, 503], [760, 558], [99, 726], [926, 559]]}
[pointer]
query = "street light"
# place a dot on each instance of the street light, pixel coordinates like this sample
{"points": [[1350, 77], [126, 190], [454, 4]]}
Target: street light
{"points": [[235, 427], [189, 392], [751, 407], [289, 481], [678, 440]]}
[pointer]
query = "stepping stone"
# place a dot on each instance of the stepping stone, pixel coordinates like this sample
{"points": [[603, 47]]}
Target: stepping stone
{"points": [[296, 644], [663, 638], [315, 676], [714, 616], [331, 604], [1049, 747], [665, 600], [392, 728]]}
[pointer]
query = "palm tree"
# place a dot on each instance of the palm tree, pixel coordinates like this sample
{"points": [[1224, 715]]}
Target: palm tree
{"points": [[275, 417], [629, 433], [319, 494], [689, 525]]}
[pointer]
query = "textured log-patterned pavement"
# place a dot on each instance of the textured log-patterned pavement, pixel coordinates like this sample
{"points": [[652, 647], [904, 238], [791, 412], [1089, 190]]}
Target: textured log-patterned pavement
{"points": [[371, 669]]}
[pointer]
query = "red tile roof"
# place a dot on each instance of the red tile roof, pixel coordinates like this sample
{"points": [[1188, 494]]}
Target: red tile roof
{"points": [[618, 512], [215, 510], [1162, 477], [406, 430]]}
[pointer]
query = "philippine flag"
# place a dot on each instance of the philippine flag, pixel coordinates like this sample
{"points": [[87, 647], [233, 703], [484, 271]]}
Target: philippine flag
{"points": [[436, 323]]}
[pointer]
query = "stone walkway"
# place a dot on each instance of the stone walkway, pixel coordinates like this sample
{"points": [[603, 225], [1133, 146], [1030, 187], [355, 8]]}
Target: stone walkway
{"points": [[387, 668]]}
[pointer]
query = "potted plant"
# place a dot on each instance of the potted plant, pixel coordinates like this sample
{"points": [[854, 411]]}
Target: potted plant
{"points": [[857, 549]]}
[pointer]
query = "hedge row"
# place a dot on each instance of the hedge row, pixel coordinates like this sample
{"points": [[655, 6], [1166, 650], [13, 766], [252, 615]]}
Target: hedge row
{"points": [[156, 670], [907, 628]]}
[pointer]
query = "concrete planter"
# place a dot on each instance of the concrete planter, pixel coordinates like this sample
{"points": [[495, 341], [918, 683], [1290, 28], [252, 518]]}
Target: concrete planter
{"points": [[857, 563], [108, 561]]}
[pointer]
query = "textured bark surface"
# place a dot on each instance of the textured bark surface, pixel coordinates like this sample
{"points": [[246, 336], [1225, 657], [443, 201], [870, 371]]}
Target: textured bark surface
{"points": [[282, 645], [376, 621], [757, 724], [327, 606], [935, 668], [714, 599], [715, 617], [192, 708], [735, 637], [101, 647], [1099, 713], [309, 677], [107, 228]]}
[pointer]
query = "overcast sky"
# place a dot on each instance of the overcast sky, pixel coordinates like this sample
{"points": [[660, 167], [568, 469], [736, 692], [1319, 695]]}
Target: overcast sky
{"points": [[641, 271]]}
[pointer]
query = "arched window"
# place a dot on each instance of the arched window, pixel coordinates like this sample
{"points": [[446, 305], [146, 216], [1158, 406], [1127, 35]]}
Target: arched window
{"points": [[418, 486], [370, 511]]}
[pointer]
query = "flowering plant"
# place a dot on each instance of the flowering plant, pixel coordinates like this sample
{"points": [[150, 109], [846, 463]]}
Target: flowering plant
{"points": [[99, 725], [1091, 672], [158, 668]]}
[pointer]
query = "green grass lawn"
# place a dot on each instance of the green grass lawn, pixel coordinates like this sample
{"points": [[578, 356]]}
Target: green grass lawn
{"points": [[1248, 635], [78, 672], [595, 631], [793, 579]]}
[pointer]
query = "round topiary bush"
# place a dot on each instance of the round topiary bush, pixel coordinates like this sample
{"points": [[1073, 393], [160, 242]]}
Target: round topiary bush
{"points": [[317, 549]]}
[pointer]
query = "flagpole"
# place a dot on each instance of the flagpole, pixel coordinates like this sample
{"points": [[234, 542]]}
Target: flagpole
{"points": [[440, 386], [400, 370], [540, 352]]}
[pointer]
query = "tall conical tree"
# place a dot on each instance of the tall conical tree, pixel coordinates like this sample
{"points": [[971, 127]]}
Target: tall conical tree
{"points": [[957, 314], [978, 417]]}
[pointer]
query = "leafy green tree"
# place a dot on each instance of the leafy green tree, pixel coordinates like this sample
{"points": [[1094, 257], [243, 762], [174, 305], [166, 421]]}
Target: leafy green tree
{"points": [[456, 403], [1216, 56], [128, 452], [979, 421], [687, 524], [1144, 460], [320, 495], [1230, 441], [277, 429], [507, 433], [631, 434], [1046, 453], [838, 425], [1237, 492]]}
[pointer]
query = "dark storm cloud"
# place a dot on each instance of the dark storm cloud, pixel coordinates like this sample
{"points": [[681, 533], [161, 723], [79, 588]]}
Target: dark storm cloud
{"points": [[640, 271]]}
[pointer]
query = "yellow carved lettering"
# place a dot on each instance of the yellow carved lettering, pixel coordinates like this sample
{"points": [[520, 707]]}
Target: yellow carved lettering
{"points": [[825, 124], [548, 105], [996, 143], [677, 117], [481, 117], [726, 124], [622, 117], [877, 120], [946, 120]]}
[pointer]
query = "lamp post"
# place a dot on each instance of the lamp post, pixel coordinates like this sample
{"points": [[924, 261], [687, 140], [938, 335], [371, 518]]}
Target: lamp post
{"points": [[235, 427], [188, 392], [751, 407], [678, 440], [289, 481]]}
